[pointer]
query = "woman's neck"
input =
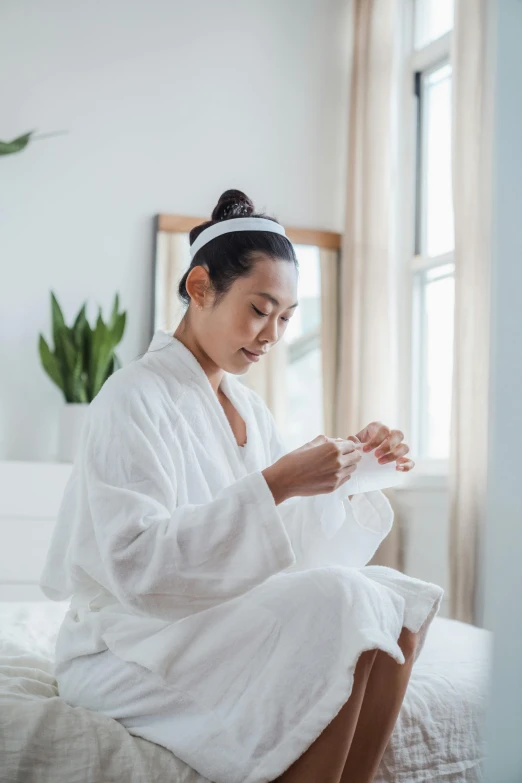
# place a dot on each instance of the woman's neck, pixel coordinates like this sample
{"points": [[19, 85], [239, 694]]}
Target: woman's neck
{"points": [[211, 370]]}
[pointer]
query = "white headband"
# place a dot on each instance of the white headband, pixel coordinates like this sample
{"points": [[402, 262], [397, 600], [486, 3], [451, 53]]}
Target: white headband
{"points": [[235, 224]]}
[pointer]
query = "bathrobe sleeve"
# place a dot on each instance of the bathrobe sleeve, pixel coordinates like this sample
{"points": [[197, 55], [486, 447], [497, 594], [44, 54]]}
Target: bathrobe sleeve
{"points": [[363, 522], [157, 555]]}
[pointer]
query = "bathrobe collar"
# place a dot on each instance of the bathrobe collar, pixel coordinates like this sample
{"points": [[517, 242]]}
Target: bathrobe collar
{"points": [[172, 352], [162, 339]]}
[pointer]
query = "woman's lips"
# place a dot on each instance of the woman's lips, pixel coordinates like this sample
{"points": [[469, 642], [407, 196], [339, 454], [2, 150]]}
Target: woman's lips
{"points": [[252, 357]]}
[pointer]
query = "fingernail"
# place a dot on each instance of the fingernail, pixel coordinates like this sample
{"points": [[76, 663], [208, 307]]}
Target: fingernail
{"points": [[378, 453]]}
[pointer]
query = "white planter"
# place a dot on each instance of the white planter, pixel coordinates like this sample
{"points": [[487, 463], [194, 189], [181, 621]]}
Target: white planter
{"points": [[72, 418]]}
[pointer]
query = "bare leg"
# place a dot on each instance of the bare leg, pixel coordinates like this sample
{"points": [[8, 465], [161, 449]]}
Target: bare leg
{"points": [[383, 698], [324, 760]]}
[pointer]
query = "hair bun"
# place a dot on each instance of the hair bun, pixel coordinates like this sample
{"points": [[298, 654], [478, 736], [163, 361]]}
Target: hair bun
{"points": [[232, 204]]}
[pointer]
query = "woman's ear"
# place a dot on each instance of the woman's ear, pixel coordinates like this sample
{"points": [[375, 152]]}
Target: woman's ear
{"points": [[198, 285]]}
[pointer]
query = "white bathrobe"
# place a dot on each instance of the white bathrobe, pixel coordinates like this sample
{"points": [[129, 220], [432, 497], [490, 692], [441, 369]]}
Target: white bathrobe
{"points": [[247, 617]]}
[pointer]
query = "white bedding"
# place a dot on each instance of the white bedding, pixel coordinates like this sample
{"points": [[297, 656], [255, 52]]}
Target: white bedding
{"points": [[42, 739]]}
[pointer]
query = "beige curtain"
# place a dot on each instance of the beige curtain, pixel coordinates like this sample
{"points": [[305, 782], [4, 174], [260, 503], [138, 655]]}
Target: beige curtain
{"points": [[368, 374], [472, 140], [329, 269], [367, 380]]}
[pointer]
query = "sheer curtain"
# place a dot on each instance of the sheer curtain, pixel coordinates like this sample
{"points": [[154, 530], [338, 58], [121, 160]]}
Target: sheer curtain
{"points": [[329, 270], [472, 141], [367, 380]]}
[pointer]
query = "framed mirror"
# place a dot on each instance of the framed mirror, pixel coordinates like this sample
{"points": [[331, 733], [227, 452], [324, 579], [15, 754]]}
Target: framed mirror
{"points": [[297, 378]]}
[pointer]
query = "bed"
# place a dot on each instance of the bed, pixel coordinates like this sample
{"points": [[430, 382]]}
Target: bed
{"points": [[44, 740]]}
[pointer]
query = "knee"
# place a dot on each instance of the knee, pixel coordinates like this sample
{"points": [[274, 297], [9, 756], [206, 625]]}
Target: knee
{"points": [[408, 641]]}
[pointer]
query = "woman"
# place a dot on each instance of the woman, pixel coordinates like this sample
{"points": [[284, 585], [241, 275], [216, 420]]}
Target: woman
{"points": [[211, 613]]}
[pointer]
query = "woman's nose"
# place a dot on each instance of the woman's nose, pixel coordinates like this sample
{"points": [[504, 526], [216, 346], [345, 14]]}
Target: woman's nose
{"points": [[270, 333]]}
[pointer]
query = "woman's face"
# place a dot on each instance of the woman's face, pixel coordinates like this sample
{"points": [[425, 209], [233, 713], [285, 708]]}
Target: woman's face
{"points": [[252, 316]]}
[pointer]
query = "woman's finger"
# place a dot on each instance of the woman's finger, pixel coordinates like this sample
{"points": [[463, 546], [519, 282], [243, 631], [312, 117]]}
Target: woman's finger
{"points": [[347, 446], [404, 464], [390, 443], [377, 438], [352, 457], [391, 456]]}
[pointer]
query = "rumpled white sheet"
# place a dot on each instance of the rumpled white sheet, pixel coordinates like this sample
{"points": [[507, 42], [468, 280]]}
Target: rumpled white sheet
{"points": [[437, 738]]}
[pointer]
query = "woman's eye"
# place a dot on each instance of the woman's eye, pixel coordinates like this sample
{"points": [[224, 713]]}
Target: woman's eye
{"points": [[265, 315]]}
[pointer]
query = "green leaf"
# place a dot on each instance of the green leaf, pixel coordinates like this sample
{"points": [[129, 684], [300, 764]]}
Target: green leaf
{"points": [[78, 388], [69, 350], [118, 329], [79, 326], [50, 363], [57, 318], [114, 315], [88, 337], [101, 355], [16, 145], [83, 356], [114, 365]]}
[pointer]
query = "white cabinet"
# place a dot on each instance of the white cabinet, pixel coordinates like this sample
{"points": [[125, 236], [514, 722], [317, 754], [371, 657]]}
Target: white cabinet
{"points": [[422, 510], [30, 495]]}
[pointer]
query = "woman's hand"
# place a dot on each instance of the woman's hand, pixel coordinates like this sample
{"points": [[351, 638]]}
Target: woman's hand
{"points": [[389, 445], [316, 468]]}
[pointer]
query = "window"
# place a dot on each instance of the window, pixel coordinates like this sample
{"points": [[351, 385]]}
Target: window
{"points": [[432, 267], [303, 339], [433, 18]]}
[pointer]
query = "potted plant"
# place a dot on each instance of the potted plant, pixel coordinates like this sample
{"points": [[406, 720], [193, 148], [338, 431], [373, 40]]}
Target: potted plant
{"points": [[81, 361]]}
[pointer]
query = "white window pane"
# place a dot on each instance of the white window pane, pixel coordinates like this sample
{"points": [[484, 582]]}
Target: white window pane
{"points": [[437, 272], [304, 399], [438, 344], [307, 316], [437, 200], [433, 18], [304, 370]]}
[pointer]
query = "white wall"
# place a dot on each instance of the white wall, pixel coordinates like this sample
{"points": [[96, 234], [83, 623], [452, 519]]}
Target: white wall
{"points": [[166, 104], [503, 546]]}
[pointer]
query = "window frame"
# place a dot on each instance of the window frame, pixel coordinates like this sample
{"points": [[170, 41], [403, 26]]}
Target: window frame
{"points": [[410, 139]]}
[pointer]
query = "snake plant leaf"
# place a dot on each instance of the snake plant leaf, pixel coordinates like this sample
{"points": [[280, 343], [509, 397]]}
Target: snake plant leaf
{"points": [[88, 336], [98, 335], [114, 314], [50, 363], [83, 357], [57, 318], [16, 145], [118, 329], [102, 349], [69, 349], [79, 326], [78, 384], [114, 365]]}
